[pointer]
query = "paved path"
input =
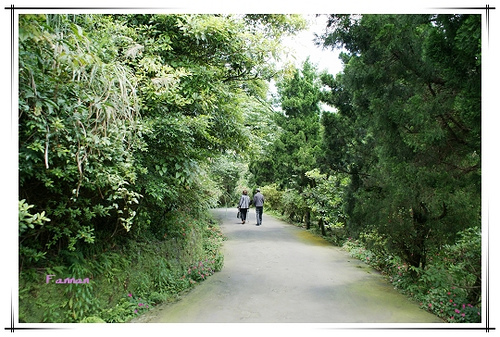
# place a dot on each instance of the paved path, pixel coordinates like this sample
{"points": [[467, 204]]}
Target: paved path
{"points": [[278, 273]]}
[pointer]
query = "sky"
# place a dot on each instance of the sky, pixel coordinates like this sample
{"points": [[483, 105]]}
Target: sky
{"points": [[303, 46]]}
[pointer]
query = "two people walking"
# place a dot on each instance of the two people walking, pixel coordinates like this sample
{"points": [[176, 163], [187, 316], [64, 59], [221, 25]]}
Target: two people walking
{"points": [[244, 205]]}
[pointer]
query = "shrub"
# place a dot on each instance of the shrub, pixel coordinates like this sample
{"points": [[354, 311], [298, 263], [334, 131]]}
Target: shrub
{"points": [[326, 199], [293, 205], [451, 305], [448, 287], [273, 197], [152, 272]]}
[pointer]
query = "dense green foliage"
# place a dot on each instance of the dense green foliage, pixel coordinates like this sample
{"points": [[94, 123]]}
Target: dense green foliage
{"points": [[131, 127], [126, 279], [120, 120], [295, 148], [417, 172], [412, 85]]}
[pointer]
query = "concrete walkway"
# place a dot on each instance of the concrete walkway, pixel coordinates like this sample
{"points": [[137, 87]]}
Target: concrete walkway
{"points": [[278, 273]]}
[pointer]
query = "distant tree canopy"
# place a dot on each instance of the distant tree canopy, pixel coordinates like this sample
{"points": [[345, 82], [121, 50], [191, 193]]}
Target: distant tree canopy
{"points": [[296, 146]]}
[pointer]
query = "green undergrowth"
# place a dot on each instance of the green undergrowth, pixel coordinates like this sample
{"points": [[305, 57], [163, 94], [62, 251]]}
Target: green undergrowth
{"points": [[447, 287], [125, 280]]}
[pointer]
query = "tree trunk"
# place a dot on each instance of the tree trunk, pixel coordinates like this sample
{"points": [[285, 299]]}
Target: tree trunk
{"points": [[474, 295], [416, 250], [322, 226], [308, 219]]}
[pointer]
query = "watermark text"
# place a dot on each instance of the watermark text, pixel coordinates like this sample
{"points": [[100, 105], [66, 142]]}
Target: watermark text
{"points": [[68, 280]]}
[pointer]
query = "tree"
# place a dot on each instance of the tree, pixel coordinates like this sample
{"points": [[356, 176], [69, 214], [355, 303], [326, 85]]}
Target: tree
{"points": [[326, 199], [295, 150], [408, 126], [121, 115], [200, 77]]}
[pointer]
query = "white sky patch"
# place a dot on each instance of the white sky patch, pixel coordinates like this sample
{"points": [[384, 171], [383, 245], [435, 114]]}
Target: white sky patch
{"points": [[302, 46]]}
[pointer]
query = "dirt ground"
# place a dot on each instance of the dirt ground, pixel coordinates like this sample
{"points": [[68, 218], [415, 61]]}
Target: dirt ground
{"points": [[278, 273]]}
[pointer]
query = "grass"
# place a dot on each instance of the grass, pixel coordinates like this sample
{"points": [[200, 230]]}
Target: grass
{"points": [[126, 281]]}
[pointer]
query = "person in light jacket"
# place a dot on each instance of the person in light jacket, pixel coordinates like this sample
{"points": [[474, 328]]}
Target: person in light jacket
{"points": [[258, 201], [243, 206]]}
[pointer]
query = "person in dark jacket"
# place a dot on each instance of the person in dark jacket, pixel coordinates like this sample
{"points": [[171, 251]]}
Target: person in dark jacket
{"points": [[243, 206], [258, 201]]}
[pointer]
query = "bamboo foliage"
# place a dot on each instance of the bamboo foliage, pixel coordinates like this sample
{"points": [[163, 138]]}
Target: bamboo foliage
{"points": [[77, 114]]}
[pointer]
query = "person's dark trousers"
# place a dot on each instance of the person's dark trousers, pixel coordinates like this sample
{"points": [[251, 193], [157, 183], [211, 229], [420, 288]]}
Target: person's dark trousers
{"points": [[258, 214], [243, 212]]}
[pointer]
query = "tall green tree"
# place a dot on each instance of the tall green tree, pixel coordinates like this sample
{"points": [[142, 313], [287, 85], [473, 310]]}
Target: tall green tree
{"points": [[408, 125], [294, 152]]}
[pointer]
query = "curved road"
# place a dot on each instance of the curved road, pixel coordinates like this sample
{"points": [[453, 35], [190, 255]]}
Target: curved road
{"points": [[278, 273]]}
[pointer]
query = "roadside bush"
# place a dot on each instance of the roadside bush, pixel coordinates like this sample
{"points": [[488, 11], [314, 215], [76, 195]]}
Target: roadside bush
{"points": [[118, 292], [326, 198], [293, 205], [451, 305], [449, 287], [212, 242], [273, 197], [376, 244]]}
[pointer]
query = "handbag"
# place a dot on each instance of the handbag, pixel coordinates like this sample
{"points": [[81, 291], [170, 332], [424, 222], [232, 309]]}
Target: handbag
{"points": [[238, 215]]}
